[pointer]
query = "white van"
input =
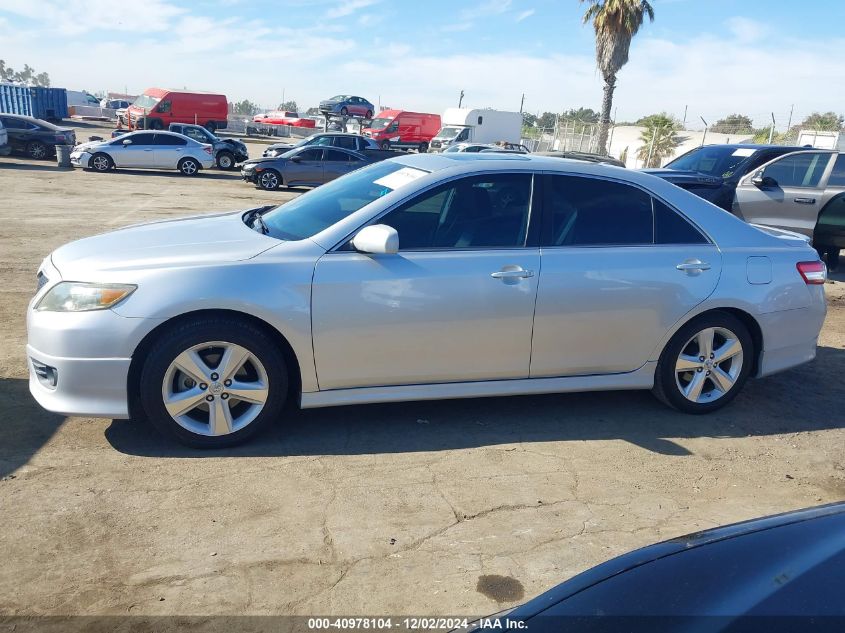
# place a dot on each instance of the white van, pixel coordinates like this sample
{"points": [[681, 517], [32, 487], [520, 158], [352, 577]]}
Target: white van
{"points": [[463, 125]]}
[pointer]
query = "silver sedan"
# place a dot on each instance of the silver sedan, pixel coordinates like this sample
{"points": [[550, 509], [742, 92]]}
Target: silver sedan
{"points": [[145, 150], [422, 277]]}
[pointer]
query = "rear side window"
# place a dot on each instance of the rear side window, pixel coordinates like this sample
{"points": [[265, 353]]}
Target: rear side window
{"points": [[837, 177], [671, 228], [168, 139], [596, 212], [346, 142]]}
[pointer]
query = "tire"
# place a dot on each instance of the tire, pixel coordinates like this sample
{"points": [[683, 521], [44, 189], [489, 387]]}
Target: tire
{"points": [[369, 114], [344, 111], [225, 160], [101, 162], [270, 180], [720, 381], [211, 126], [189, 167], [384, 145], [156, 124], [182, 371], [423, 148], [37, 150]]}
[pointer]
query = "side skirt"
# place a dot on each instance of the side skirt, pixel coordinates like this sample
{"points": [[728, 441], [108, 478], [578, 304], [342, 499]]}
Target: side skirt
{"points": [[642, 378]]}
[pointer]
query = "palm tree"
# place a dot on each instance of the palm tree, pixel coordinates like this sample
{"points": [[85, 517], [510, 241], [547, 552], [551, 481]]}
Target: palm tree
{"points": [[659, 139], [615, 23]]}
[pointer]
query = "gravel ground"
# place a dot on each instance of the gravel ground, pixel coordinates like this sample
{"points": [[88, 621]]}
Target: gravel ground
{"points": [[382, 509]]}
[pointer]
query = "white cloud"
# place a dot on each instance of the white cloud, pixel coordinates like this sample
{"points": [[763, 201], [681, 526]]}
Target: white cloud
{"points": [[486, 9], [525, 14], [76, 18], [746, 29], [348, 7]]}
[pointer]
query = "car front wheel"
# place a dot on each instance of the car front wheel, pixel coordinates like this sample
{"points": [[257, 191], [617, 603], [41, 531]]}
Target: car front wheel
{"points": [[100, 162], [705, 364], [213, 382], [269, 180], [225, 160]]}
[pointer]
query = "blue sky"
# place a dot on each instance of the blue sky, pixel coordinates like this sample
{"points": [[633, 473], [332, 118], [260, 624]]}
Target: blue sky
{"points": [[715, 56]]}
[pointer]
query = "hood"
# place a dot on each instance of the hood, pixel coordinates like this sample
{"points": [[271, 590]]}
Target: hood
{"points": [[89, 145], [163, 244], [258, 161], [678, 176]]}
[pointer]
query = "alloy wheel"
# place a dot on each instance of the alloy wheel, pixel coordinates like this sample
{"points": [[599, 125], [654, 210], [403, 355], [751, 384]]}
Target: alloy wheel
{"points": [[189, 168], [38, 150], [100, 163], [215, 388], [269, 180], [709, 365]]}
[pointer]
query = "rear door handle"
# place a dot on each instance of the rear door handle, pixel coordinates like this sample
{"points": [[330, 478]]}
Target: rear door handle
{"points": [[512, 272], [805, 200], [693, 265]]}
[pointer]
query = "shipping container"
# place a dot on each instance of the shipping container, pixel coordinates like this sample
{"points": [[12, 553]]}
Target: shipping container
{"points": [[42, 103]]}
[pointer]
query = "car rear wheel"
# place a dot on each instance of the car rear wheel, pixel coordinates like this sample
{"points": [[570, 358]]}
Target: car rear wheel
{"points": [[705, 364], [225, 160], [213, 382], [385, 144], [100, 162], [156, 124], [423, 148], [36, 150], [344, 110], [269, 180], [369, 114], [189, 167]]}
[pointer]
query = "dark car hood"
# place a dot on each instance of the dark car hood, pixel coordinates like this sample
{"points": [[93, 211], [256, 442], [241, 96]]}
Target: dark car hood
{"points": [[261, 160], [689, 177]]}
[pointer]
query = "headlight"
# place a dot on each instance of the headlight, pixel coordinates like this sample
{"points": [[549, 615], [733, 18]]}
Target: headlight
{"points": [[74, 296]]}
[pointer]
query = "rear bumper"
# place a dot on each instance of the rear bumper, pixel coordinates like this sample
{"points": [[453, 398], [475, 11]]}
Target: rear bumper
{"points": [[790, 337]]}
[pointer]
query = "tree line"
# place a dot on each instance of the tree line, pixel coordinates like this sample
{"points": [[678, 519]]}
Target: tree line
{"points": [[27, 76]]}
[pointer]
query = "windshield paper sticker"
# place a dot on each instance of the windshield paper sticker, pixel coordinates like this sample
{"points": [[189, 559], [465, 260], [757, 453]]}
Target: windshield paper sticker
{"points": [[743, 151], [400, 178]]}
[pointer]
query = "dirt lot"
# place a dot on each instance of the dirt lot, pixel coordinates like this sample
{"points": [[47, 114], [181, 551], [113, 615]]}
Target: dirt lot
{"points": [[383, 509]]}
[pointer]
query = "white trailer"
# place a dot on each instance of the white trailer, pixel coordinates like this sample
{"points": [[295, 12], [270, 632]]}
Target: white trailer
{"points": [[475, 125]]}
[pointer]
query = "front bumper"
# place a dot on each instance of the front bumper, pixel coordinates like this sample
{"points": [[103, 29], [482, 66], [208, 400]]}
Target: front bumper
{"points": [[249, 176], [80, 159]]}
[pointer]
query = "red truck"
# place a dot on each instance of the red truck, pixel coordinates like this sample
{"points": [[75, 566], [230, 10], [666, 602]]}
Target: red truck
{"points": [[398, 128], [157, 108]]}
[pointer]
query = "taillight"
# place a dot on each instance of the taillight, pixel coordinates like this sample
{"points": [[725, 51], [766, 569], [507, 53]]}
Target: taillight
{"points": [[814, 273], [207, 150]]}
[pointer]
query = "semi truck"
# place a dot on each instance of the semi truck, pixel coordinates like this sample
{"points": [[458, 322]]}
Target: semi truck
{"points": [[460, 125]]}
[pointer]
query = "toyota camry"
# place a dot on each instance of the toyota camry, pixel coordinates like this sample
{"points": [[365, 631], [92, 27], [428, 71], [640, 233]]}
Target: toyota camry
{"points": [[422, 277]]}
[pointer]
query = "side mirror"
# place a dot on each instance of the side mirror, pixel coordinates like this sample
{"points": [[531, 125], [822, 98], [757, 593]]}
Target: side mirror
{"points": [[759, 180], [127, 141], [378, 239], [296, 159]]}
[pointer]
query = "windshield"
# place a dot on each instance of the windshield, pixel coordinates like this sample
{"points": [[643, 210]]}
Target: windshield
{"points": [[449, 132], [380, 124], [713, 160], [146, 101], [320, 208], [339, 98]]}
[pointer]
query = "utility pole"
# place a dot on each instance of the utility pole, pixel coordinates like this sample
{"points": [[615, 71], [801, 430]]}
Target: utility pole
{"points": [[789, 123], [461, 99], [706, 125], [772, 130], [522, 103], [283, 95], [684, 124]]}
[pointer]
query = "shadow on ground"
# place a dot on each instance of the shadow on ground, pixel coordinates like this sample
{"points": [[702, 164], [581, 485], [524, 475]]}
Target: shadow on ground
{"points": [[26, 426], [786, 403]]}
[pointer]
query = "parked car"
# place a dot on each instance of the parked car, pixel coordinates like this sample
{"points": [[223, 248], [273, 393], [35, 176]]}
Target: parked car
{"points": [[782, 572], [145, 150], [348, 105], [475, 148], [422, 277], [398, 128], [592, 158], [308, 166], [228, 152], [284, 118], [5, 148], [115, 104], [793, 188], [329, 139], [81, 98], [157, 108], [34, 137]]}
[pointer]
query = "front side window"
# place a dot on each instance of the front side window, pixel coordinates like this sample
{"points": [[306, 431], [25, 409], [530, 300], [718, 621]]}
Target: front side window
{"points": [[164, 107], [478, 212], [142, 139], [595, 212], [311, 154], [798, 170]]}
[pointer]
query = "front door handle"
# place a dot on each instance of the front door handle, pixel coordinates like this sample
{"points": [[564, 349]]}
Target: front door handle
{"points": [[512, 272], [805, 200], [693, 266]]}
